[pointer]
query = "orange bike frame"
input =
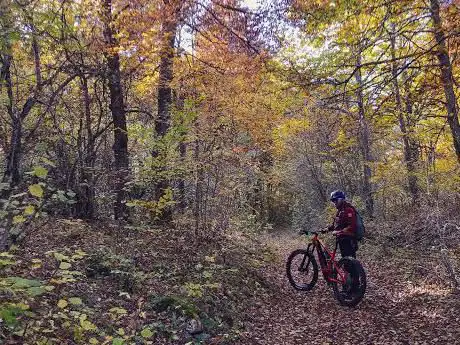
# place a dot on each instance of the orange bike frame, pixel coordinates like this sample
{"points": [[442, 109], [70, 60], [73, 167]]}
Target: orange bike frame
{"points": [[331, 264]]}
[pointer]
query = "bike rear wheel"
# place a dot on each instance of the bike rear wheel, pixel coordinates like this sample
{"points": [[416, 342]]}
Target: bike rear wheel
{"points": [[302, 270], [352, 291]]}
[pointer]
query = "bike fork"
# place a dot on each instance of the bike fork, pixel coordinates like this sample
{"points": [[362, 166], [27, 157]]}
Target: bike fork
{"points": [[303, 266]]}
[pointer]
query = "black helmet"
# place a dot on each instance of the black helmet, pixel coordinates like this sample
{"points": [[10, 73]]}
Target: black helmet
{"points": [[337, 194]]}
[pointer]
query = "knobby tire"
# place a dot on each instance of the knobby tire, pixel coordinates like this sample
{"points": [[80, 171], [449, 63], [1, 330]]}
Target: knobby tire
{"points": [[308, 266], [346, 294]]}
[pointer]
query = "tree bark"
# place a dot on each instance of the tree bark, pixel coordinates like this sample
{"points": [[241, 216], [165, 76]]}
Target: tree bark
{"points": [[447, 78], [11, 174], [86, 194], [163, 120], [166, 75], [120, 145], [364, 140], [409, 157], [180, 103], [199, 181]]}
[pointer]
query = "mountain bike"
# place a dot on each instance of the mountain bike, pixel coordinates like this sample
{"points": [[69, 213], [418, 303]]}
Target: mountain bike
{"points": [[346, 276]]}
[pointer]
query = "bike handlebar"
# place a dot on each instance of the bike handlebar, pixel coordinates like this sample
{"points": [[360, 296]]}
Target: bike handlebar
{"points": [[306, 232]]}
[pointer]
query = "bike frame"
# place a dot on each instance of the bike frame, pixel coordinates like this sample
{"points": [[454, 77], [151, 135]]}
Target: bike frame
{"points": [[331, 264]]}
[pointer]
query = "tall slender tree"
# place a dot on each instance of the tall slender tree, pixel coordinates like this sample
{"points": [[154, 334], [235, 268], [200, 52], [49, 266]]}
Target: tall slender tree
{"points": [[364, 134], [447, 78], [410, 155], [117, 107], [170, 21]]}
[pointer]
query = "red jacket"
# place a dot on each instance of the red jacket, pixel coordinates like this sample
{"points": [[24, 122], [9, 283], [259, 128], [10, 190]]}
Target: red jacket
{"points": [[346, 218]]}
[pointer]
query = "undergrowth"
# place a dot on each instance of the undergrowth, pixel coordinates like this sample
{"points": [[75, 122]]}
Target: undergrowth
{"points": [[101, 283]]}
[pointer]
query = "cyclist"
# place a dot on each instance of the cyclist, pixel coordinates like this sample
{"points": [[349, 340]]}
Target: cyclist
{"points": [[344, 226]]}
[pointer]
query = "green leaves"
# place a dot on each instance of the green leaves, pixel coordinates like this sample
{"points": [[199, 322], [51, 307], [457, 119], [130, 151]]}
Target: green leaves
{"points": [[64, 265], [117, 313], [29, 210], [9, 314], [31, 287], [147, 333], [194, 290], [118, 341], [18, 219], [21, 283], [87, 325], [40, 172], [75, 300], [36, 190], [60, 257], [62, 303], [6, 262], [36, 290]]}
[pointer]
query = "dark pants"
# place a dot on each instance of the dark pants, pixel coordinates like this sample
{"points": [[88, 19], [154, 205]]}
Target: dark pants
{"points": [[348, 246]]}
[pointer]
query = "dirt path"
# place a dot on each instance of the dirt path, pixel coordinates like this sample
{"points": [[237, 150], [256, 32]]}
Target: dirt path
{"points": [[394, 311]]}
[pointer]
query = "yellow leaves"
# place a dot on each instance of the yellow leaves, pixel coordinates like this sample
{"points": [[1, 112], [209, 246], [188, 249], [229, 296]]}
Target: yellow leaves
{"points": [[87, 325], [29, 210], [343, 141], [36, 190], [64, 265], [18, 219], [36, 263], [75, 301], [117, 313], [79, 254], [194, 290], [286, 130], [62, 303], [147, 333], [40, 172], [155, 208]]}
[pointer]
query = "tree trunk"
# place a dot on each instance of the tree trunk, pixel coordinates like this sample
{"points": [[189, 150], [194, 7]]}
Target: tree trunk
{"points": [[11, 174], [166, 75], [199, 180], [13, 159], [414, 187], [409, 157], [90, 154], [447, 78], [86, 194], [182, 196], [163, 120], [364, 140], [120, 145], [180, 101]]}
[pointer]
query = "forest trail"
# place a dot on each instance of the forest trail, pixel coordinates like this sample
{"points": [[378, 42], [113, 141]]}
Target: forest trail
{"points": [[392, 312]]}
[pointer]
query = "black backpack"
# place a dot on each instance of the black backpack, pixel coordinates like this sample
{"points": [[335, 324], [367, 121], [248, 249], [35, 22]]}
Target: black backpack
{"points": [[360, 228]]}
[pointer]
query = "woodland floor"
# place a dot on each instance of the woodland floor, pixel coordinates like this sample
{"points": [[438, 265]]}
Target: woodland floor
{"points": [[145, 286], [405, 303]]}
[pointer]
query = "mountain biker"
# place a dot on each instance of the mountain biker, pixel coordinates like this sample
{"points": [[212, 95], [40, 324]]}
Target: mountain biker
{"points": [[344, 226]]}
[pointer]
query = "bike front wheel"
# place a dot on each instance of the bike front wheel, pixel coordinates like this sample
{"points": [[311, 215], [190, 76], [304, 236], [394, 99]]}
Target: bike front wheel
{"points": [[302, 270], [350, 292]]}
